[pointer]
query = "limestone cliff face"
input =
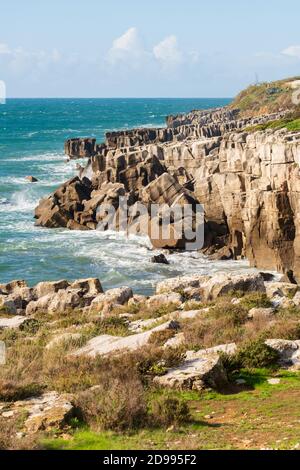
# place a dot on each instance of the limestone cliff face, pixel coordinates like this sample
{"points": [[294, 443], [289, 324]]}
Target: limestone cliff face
{"points": [[248, 182]]}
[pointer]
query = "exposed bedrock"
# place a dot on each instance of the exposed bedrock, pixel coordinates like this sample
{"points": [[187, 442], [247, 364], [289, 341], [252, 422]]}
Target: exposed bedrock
{"points": [[248, 183]]}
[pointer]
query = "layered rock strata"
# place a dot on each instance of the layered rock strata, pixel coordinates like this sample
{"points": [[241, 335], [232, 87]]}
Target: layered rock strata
{"points": [[248, 183]]}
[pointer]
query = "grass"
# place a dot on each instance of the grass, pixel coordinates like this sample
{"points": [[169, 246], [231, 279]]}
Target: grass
{"points": [[265, 98], [289, 124], [259, 416]]}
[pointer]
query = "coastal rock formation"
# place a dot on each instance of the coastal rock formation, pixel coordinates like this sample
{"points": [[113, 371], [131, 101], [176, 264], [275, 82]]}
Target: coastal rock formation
{"points": [[243, 171]]}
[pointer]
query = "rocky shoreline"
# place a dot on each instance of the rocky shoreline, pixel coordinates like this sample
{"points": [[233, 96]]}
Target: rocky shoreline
{"points": [[74, 354], [246, 180]]}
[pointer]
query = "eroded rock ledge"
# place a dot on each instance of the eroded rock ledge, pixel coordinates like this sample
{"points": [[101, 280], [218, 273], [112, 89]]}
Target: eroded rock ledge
{"points": [[248, 183]]}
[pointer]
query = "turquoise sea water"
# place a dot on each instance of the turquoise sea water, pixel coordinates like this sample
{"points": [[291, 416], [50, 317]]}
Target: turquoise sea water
{"points": [[32, 135]]}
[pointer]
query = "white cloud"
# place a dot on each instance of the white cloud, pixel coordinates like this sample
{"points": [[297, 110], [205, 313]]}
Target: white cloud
{"points": [[292, 51], [127, 48], [167, 52], [4, 49]]}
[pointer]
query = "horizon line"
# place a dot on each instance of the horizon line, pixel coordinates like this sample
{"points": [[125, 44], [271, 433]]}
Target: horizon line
{"points": [[119, 98]]}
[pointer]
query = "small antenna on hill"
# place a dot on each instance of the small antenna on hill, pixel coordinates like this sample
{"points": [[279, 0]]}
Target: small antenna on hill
{"points": [[256, 79]]}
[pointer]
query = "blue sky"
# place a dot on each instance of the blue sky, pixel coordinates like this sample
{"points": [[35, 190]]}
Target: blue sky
{"points": [[157, 48]]}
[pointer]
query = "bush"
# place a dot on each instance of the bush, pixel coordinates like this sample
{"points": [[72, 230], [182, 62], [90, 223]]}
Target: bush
{"points": [[252, 355], [115, 405], [11, 391], [168, 411], [256, 300]]}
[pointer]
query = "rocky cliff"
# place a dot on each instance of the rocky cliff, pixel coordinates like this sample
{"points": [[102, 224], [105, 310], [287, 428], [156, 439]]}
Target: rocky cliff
{"points": [[248, 181]]}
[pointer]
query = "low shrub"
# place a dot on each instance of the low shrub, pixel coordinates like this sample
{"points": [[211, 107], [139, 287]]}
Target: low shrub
{"points": [[251, 355], [13, 391], [256, 300], [168, 411], [117, 404]]}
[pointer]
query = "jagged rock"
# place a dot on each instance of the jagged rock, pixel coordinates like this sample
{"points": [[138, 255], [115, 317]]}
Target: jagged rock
{"points": [[280, 289], [248, 183], [50, 411], [160, 300], [8, 305], [137, 300], [80, 148], [289, 352], [111, 297], [31, 179], [224, 283], [91, 287], [105, 344], [12, 287], [180, 284], [223, 254], [60, 302], [45, 288], [159, 259], [198, 371]]}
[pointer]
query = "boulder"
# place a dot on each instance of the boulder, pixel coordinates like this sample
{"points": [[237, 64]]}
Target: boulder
{"points": [[281, 289], [31, 179], [224, 283], [8, 305], [12, 287], [289, 352], [180, 284], [111, 297], [261, 313], [58, 303], [197, 372], [162, 300], [159, 259], [48, 412], [45, 288], [91, 287]]}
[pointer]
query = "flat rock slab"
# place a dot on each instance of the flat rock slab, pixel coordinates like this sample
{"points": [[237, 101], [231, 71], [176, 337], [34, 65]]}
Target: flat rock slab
{"points": [[138, 326], [49, 411], [195, 373], [13, 322], [106, 344]]}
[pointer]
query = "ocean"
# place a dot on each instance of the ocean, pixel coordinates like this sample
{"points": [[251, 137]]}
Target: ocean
{"points": [[32, 135]]}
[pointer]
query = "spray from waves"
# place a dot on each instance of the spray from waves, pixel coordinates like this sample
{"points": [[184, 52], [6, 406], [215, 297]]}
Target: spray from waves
{"points": [[20, 201]]}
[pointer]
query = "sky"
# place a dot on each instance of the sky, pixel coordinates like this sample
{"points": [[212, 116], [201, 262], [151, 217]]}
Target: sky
{"points": [[157, 48]]}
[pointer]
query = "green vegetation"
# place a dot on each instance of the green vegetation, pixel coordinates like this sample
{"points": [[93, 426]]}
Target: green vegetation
{"points": [[266, 98], [256, 415], [289, 124], [252, 355]]}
